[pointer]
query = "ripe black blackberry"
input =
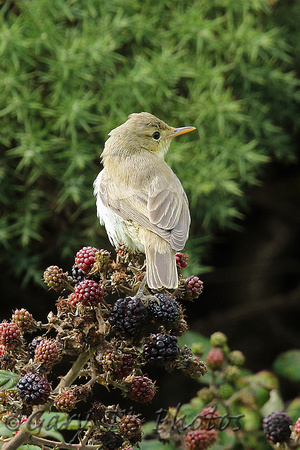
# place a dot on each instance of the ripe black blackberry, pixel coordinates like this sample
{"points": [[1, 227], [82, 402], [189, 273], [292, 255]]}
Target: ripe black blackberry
{"points": [[276, 426], [164, 309], [33, 344], [161, 349], [111, 440], [128, 316], [77, 274], [33, 388]]}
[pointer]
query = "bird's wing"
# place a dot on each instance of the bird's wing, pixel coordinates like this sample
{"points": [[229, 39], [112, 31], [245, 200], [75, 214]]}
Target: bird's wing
{"points": [[161, 208]]}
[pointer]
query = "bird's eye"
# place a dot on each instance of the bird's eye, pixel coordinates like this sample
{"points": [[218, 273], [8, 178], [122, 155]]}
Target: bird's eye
{"points": [[156, 135]]}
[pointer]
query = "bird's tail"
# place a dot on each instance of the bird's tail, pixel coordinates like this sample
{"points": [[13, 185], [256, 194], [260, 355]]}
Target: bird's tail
{"points": [[161, 268]]}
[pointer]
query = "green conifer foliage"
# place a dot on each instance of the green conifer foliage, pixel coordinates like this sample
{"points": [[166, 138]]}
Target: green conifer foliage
{"points": [[71, 71]]}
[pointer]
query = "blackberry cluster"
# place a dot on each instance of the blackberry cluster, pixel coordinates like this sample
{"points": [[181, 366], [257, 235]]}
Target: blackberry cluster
{"points": [[88, 292], [10, 335], [161, 349], [200, 439], [23, 319], [164, 309], [128, 316], [85, 258], [46, 353], [276, 426], [130, 427], [33, 388], [141, 389]]}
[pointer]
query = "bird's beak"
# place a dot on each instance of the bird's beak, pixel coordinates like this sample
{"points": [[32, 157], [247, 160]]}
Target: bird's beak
{"points": [[179, 131]]}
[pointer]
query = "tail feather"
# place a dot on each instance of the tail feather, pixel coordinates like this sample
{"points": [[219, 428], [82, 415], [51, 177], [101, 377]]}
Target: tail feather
{"points": [[161, 269]]}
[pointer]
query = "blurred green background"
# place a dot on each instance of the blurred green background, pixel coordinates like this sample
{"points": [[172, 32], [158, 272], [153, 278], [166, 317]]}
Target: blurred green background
{"points": [[70, 71]]}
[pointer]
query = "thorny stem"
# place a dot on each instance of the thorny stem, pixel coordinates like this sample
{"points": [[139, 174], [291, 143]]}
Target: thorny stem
{"points": [[24, 436], [42, 442]]}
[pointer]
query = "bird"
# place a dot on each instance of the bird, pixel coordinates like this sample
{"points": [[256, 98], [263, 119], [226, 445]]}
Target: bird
{"points": [[140, 200]]}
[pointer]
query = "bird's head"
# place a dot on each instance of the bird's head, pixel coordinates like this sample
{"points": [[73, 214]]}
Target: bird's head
{"points": [[143, 131]]}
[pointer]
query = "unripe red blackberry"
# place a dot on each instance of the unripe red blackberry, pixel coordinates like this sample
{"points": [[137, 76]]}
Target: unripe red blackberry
{"points": [[2, 349], [85, 258], [164, 309], [206, 395], [72, 299], [10, 335], [195, 367], [200, 439], [130, 428], [55, 278], [276, 427], [209, 418], [46, 353], [141, 388], [65, 401], [110, 360], [225, 391], [181, 260], [218, 339], [297, 429], [236, 358], [128, 316], [102, 260], [125, 368], [194, 287], [88, 293], [214, 358], [33, 388], [232, 373], [178, 328], [161, 349], [23, 319]]}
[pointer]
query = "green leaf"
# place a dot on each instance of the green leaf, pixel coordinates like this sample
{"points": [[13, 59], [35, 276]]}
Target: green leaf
{"points": [[293, 409], [275, 403], [287, 365], [8, 379]]}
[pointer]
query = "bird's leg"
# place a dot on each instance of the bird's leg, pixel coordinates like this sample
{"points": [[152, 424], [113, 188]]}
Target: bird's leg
{"points": [[140, 292]]}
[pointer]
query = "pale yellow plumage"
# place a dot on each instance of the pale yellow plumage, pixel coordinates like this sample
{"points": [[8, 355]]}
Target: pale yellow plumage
{"points": [[140, 200]]}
